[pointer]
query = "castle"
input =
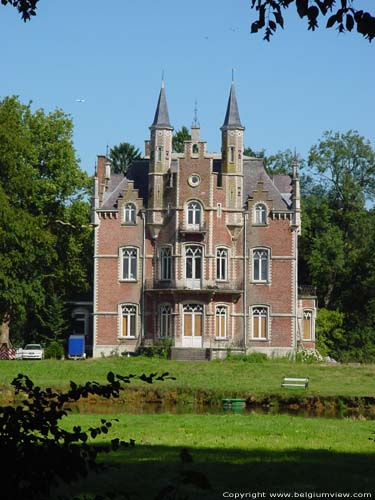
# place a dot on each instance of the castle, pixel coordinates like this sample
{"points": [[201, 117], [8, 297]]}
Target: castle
{"points": [[200, 248]]}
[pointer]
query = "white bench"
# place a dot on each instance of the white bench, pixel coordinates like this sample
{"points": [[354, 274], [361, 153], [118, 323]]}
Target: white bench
{"points": [[295, 382]]}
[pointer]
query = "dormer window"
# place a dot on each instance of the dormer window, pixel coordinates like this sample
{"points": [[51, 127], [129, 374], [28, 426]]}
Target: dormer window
{"points": [[130, 213], [260, 213]]}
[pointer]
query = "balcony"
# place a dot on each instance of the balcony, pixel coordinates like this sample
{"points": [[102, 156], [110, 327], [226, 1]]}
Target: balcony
{"points": [[192, 229], [306, 291], [232, 287]]}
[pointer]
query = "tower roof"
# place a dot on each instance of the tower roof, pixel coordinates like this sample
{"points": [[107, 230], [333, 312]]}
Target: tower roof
{"points": [[232, 117], [161, 118]]}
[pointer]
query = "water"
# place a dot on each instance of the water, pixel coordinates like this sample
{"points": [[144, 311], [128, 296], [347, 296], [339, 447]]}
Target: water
{"points": [[180, 409]]}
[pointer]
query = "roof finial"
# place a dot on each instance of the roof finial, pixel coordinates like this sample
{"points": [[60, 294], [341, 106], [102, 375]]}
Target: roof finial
{"points": [[233, 75], [196, 123], [162, 79], [106, 151]]}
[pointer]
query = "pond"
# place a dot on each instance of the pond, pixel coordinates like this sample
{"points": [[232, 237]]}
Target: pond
{"points": [[202, 409]]}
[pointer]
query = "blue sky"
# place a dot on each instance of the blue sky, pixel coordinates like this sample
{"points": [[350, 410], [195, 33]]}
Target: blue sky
{"points": [[112, 54]]}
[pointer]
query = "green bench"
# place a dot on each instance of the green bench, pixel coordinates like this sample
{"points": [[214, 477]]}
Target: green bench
{"points": [[295, 382]]}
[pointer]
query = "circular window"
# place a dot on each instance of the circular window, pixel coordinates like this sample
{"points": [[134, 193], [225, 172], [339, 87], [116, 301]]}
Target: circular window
{"points": [[194, 180]]}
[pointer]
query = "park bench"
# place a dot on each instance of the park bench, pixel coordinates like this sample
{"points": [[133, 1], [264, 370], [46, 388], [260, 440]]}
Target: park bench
{"points": [[295, 382]]}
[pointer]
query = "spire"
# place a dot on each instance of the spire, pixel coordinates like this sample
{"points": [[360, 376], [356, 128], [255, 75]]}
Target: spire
{"points": [[232, 117], [161, 118]]}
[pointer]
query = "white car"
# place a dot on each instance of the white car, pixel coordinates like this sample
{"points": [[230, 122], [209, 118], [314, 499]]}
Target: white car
{"points": [[33, 351]]}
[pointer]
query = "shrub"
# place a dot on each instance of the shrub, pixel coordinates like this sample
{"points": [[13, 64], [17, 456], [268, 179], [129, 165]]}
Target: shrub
{"points": [[54, 351], [253, 357]]}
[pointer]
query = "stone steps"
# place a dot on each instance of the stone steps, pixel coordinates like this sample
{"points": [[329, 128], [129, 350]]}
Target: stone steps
{"points": [[189, 354]]}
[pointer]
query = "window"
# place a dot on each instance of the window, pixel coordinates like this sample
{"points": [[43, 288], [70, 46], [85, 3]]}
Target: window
{"points": [[219, 210], [159, 153], [221, 316], [80, 321], [165, 263], [260, 265], [231, 154], [129, 264], [193, 266], [165, 320], [260, 322], [307, 325], [128, 320], [130, 213], [194, 180], [194, 214], [221, 264], [260, 214]]}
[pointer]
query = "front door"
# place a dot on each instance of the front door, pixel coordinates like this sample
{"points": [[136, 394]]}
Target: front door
{"points": [[193, 266], [192, 325]]}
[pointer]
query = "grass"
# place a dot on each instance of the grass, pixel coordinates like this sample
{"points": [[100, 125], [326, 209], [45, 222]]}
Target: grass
{"points": [[235, 453], [216, 378]]}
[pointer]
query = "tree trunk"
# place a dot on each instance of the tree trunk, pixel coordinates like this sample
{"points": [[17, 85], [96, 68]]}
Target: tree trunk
{"points": [[4, 331]]}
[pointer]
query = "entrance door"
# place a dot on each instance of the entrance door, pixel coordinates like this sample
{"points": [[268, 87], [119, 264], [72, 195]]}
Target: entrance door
{"points": [[193, 266], [192, 325]]}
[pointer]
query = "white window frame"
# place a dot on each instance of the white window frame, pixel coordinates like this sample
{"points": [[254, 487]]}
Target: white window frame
{"points": [[130, 213], [126, 270], [131, 311], [165, 321], [304, 314], [261, 312], [221, 310], [194, 214], [262, 266], [165, 258], [222, 255], [260, 214]]}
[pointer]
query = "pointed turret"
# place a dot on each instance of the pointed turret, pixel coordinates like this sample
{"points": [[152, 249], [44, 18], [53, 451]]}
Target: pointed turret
{"points": [[161, 118], [160, 157], [232, 116]]}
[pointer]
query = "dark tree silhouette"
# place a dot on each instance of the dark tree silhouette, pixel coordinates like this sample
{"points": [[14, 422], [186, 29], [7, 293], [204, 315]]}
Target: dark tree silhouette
{"points": [[122, 156], [342, 14]]}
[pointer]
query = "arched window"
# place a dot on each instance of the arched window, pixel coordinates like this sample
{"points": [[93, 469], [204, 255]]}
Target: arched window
{"points": [[165, 263], [165, 320], [128, 320], [260, 213], [130, 213], [193, 266], [260, 264], [195, 149], [307, 325], [221, 264], [194, 214], [221, 316], [129, 263], [259, 322]]}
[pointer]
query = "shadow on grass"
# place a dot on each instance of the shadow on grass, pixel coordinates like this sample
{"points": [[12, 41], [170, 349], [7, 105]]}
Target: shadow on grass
{"points": [[145, 470]]}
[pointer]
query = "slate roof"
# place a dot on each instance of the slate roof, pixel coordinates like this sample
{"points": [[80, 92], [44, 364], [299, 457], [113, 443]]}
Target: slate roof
{"points": [[254, 172], [279, 188], [161, 118], [232, 116]]}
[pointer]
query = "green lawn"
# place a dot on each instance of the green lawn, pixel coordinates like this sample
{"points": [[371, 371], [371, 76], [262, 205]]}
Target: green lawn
{"points": [[216, 378], [236, 453]]}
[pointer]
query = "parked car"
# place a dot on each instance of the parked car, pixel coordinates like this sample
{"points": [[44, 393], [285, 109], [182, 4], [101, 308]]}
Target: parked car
{"points": [[33, 351]]}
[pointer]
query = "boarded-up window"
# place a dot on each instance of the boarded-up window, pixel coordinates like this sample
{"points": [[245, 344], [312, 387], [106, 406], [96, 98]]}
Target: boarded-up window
{"points": [[221, 322], [128, 321], [307, 315], [260, 323], [193, 320]]}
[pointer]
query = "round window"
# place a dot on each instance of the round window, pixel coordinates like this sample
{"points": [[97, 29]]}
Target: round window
{"points": [[194, 180]]}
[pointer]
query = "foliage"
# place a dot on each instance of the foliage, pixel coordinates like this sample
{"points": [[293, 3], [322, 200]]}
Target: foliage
{"points": [[330, 334], [54, 350], [308, 356], [27, 8], [121, 157], [45, 238], [161, 349], [179, 138], [342, 15], [33, 442]]}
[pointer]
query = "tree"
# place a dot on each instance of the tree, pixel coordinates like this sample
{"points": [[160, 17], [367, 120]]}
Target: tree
{"points": [[342, 15], [122, 156], [179, 138], [45, 237]]}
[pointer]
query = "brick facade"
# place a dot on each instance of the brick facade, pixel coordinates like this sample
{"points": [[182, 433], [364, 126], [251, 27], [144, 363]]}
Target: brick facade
{"points": [[198, 247]]}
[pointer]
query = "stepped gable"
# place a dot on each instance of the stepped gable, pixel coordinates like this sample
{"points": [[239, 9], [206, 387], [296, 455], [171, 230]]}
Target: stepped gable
{"points": [[255, 172]]}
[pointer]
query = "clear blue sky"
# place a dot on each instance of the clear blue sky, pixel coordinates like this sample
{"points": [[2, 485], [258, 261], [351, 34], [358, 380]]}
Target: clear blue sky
{"points": [[112, 54]]}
